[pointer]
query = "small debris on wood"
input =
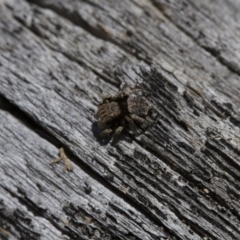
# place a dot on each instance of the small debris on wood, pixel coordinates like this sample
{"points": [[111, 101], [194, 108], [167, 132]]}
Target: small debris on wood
{"points": [[206, 191], [124, 189], [67, 163], [4, 232], [88, 220]]}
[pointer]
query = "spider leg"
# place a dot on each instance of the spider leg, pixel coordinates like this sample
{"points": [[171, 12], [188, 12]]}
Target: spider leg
{"points": [[143, 122], [124, 92], [132, 125], [125, 86], [101, 125], [136, 89], [105, 132], [139, 87], [138, 119], [106, 98], [120, 95], [117, 134]]}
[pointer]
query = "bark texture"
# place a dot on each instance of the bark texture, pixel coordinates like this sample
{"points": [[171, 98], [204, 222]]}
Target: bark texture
{"points": [[179, 180]]}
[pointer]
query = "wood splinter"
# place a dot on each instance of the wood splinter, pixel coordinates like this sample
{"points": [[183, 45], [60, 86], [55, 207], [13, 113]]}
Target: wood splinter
{"points": [[67, 163]]}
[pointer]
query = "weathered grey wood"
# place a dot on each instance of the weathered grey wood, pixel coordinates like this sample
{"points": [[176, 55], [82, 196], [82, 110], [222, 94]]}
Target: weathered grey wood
{"points": [[214, 25], [183, 174], [39, 201], [17, 221], [146, 33]]}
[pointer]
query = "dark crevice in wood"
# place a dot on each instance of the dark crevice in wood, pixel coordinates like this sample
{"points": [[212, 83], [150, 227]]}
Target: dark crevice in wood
{"points": [[15, 220], [164, 94], [139, 170], [37, 211], [191, 152], [227, 163], [78, 219], [27, 120], [76, 19], [182, 145], [166, 201], [230, 146], [196, 228], [130, 215], [103, 76], [214, 52], [235, 121], [31, 123], [187, 176]]}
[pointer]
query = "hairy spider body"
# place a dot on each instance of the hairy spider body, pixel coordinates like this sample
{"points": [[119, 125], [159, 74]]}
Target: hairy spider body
{"points": [[138, 105], [108, 111], [126, 110]]}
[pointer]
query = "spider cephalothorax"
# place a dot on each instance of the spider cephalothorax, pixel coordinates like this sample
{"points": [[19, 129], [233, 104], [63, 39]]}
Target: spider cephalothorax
{"points": [[126, 110]]}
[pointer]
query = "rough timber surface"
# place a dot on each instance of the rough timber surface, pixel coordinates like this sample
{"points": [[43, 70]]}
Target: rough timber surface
{"points": [[180, 180]]}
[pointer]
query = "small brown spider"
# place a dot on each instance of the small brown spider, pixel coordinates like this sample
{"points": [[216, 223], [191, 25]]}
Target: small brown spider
{"points": [[126, 110]]}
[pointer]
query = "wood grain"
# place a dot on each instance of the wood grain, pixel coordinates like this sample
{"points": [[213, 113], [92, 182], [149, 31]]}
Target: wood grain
{"points": [[179, 180]]}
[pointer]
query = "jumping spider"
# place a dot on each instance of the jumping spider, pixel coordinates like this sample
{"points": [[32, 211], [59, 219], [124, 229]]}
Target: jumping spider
{"points": [[127, 110]]}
